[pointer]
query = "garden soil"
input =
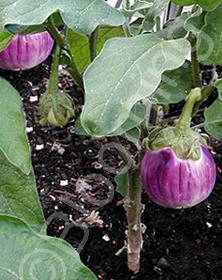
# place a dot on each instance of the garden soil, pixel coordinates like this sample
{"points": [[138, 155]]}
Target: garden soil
{"points": [[75, 181]]}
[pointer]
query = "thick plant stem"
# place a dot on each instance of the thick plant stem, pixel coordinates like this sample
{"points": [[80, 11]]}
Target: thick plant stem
{"points": [[93, 43], [205, 92], [133, 213], [179, 11], [194, 61], [73, 71], [71, 68], [51, 28], [185, 118], [53, 80]]}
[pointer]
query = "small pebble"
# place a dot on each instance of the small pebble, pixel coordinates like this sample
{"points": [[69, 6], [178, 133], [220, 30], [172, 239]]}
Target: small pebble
{"points": [[29, 129], [106, 237], [209, 225], [63, 183], [33, 98], [39, 147]]}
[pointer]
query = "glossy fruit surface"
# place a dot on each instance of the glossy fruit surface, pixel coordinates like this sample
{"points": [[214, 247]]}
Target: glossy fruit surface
{"points": [[26, 51], [177, 183]]}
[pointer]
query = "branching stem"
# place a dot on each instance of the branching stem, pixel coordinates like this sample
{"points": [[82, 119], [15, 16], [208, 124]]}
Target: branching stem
{"points": [[194, 61]]}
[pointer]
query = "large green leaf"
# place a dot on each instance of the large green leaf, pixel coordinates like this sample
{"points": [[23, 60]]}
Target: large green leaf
{"points": [[213, 119], [158, 7], [79, 45], [136, 116], [5, 38], [218, 85], [136, 7], [81, 16], [210, 40], [195, 22], [175, 85], [18, 195], [13, 127], [26, 255], [126, 71], [209, 5], [174, 28]]}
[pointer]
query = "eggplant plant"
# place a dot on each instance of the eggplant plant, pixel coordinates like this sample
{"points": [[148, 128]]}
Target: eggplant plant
{"points": [[127, 62]]}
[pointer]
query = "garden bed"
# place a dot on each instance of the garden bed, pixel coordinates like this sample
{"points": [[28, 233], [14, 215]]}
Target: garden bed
{"points": [[76, 194]]}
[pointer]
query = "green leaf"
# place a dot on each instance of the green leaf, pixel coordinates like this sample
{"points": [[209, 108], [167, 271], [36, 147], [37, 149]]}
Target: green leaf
{"points": [[13, 127], [175, 85], [107, 32], [136, 116], [81, 16], [136, 7], [133, 135], [79, 45], [158, 7], [122, 181], [183, 2], [213, 119], [133, 71], [5, 38], [24, 29], [79, 49], [210, 40], [173, 29], [209, 5], [218, 85], [18, 194], [26, 255], [195, 22]]}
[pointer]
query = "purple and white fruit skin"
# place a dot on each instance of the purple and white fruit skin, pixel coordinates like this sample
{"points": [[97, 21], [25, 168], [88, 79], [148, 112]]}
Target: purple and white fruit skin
{"points": [[177, 183], [26, 51]]}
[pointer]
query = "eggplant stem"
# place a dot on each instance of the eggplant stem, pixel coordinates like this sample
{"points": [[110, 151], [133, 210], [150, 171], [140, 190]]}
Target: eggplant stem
{"points": [[133, 212]]}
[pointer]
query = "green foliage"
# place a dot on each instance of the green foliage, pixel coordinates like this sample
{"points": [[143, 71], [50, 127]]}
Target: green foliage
{"points": [[133, 71], [183, 2], [18, 195], [136, 7], [218, 85], [209, 38], [195, 22], [122, 181], [209, 5], [174, 29], [175, 85], [27, 255], [79, 45], [213, 119], [81, 16], [153, 12], [5, 38], [136, 116]]}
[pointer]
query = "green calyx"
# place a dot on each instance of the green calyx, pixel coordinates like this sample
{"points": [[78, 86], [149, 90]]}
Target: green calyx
{"points": [[55, 107], [182, 139]]}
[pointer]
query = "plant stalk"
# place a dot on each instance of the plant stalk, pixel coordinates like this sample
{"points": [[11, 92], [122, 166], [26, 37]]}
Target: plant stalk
{"points": [[53, 80], [205, 92], [51, 28], [185, 118], [74, 72], [179, 11], [93, 43], [133, 213], [194, 61]]}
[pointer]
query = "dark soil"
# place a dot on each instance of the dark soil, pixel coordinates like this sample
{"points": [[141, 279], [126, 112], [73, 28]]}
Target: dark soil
{"points": [[77, 193]]}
